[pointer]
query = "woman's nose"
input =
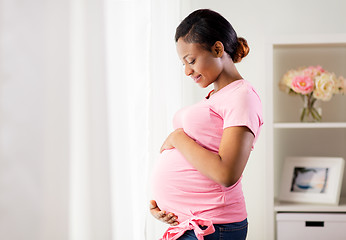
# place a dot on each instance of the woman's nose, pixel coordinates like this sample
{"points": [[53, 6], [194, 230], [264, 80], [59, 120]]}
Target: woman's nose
{"points": [[188, 70]]}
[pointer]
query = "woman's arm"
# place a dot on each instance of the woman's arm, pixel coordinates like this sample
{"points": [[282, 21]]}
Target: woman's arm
{"points": [[224, 167]]}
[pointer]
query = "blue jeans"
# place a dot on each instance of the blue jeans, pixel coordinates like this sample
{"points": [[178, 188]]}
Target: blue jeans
{"points": [[230, 231]]}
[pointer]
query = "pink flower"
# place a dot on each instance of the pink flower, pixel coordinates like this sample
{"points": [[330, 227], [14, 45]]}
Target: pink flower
{"points": [[313, 71], [302, 84]]}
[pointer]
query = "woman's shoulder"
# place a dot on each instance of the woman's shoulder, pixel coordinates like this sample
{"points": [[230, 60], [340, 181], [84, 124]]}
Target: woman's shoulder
{"points": [[237, 90]]}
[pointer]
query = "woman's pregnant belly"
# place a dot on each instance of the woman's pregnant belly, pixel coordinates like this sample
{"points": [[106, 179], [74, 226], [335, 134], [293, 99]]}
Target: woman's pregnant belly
{"points": [[179, 188]]}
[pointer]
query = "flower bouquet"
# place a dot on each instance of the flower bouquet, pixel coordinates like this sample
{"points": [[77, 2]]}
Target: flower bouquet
{"points": [[312, 83]]}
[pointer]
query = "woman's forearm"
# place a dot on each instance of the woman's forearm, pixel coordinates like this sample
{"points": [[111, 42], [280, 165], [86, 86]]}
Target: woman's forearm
{"points": [[208, 163], [224, 167]]}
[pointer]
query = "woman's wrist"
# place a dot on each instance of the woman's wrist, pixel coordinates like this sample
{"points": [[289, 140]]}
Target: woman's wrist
{"points": [[180, 139], [178, 136]]}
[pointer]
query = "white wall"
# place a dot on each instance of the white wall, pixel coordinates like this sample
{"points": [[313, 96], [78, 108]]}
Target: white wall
{"points": [[258, 21], [53, 122], [33, 119]]}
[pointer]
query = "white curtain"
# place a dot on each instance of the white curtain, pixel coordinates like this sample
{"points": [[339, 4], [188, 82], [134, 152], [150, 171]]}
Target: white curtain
{"points": [[126, 85], [144, 89], [87, 93]]}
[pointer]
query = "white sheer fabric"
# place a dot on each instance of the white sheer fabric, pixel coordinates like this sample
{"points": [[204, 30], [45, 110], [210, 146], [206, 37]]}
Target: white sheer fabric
{"points": [[125, 86], [143, 78], [87, 92]]}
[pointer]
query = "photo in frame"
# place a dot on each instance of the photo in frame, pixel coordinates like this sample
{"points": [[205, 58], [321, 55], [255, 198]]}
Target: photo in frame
{"points": [[312, 180]]}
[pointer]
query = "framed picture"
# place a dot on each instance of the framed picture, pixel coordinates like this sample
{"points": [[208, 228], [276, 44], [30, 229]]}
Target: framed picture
{"points": [[312, 179]]}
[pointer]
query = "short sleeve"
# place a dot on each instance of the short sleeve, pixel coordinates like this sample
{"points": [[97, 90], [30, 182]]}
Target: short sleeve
{"points": [[244, 108]]}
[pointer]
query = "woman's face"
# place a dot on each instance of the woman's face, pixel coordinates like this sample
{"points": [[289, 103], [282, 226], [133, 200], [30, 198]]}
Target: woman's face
{"points": [[202, 65]]}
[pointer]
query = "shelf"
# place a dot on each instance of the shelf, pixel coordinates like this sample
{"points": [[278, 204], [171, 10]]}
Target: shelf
{"points": [[308, 40], [308, 207], [288, 136], [310, 125]]}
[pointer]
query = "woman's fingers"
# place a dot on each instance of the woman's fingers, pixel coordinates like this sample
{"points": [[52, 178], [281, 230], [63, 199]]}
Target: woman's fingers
{"points": [[153, 204], [173, 221], [156, 211], [169, 218]]}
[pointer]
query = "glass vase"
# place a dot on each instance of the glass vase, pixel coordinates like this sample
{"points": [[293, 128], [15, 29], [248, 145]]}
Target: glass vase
{"points": [[310, 112]]}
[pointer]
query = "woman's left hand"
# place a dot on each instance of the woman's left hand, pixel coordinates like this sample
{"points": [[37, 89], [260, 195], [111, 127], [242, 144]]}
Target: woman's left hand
{"points": [[169, 142], [169, 218]]}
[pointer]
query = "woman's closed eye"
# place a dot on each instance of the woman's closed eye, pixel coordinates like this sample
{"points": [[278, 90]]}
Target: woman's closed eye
{"points": [[192, 62]]}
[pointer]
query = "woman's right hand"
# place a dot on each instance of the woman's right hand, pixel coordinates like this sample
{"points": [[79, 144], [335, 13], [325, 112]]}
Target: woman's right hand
{"points": [[169, 218]]}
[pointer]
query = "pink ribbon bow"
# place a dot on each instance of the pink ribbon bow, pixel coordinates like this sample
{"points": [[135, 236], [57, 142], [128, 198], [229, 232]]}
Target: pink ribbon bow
{"points": [[174, 232]]}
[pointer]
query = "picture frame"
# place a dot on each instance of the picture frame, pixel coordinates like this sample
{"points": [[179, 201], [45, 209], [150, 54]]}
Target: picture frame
{"points": [[312, 180]]}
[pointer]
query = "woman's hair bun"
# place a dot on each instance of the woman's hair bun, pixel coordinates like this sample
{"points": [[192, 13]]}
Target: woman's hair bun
{"points": [[241, 51]]}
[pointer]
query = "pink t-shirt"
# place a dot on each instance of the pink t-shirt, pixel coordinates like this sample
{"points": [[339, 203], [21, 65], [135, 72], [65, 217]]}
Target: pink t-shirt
{"points": [[177, 186]]}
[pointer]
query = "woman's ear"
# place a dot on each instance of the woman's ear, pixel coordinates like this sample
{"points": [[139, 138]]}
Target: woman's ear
{"points": [[217, 49]]}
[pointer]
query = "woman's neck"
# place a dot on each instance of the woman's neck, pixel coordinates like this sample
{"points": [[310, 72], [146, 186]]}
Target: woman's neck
{"points": [[228, 75]]}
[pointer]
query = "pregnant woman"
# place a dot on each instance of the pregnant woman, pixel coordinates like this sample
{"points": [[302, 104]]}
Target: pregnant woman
{"points": [[197, 181]]}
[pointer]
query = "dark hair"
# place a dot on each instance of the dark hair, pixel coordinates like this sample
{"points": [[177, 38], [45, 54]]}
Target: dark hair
{"points": [[205, 27]]}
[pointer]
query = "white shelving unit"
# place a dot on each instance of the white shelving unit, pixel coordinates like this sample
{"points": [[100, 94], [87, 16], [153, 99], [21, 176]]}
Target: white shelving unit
{"points": [[317, 125], [287, 135], [306, 207]]}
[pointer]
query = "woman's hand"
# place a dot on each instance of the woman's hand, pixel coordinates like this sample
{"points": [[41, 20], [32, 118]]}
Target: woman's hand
{"points": [[169, 218], [169, 142]]}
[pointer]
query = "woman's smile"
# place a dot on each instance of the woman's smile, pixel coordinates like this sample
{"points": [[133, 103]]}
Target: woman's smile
{"points": [[197, 78]]}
